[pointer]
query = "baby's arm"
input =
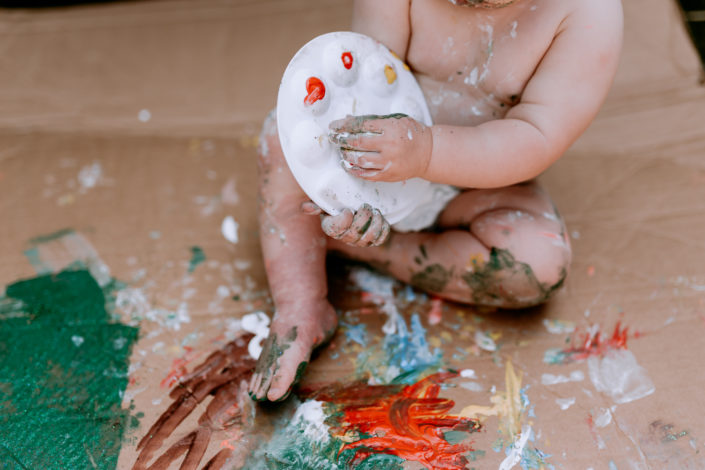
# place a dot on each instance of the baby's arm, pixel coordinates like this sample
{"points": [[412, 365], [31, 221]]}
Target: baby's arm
{"points": [[557, 105]]}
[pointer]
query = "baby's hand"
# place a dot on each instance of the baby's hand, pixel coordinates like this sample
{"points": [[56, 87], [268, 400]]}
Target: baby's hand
{"points": [[383, 148], [365, 227]]}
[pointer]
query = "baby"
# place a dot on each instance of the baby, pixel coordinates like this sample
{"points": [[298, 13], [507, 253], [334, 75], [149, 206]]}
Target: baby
{"points": [[511, 84]]}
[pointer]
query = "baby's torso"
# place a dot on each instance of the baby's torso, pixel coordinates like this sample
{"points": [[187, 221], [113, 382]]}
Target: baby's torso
{"points": [[474, 63]]}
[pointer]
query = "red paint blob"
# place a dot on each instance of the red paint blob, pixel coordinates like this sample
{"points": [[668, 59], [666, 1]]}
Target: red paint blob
{"points": [[584, 345], [347, 59], [316, 90], [408, 421]]}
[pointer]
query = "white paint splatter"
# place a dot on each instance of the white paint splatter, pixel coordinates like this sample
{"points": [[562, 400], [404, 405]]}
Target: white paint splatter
{"points": [[550, 379], [472, 78], [558, 327], [256, 323], [565, 403], [144, 115], [410, 135], [89, 176], [229, 229], [484, 341], [468, 374], [618, 375], [473, 386], [515, 450], [602, 417], [513, 32], [77, 340], [310, 414]]}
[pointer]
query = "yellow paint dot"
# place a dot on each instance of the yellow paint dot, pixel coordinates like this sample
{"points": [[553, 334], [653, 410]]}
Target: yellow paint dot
{"points": [[435, 342], [406, 67], [446, 336], [390, 74]]}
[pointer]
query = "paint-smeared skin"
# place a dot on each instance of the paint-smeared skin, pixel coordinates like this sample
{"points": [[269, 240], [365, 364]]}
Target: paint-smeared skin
{"points": [[433, 278], [268, 363], [408, 421], [486, 283], [223, 374]]}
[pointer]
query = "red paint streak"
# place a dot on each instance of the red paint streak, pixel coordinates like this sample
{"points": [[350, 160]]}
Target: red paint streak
{"points": [[178, 367], [584, 345], [408, 421], [347, 59], [316, 90]]}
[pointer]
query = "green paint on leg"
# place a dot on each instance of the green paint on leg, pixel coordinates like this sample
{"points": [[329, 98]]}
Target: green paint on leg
{"points": [[63, 369], [51, 236], [432, 279], [486, 282], [197, 257]]}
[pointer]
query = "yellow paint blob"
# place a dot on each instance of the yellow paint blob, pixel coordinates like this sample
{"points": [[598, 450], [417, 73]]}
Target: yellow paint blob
{"points": [[406, 67], [390, 74]]}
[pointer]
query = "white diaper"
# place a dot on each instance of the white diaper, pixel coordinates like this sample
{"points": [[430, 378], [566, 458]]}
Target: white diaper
{"points": [[426, 213]]}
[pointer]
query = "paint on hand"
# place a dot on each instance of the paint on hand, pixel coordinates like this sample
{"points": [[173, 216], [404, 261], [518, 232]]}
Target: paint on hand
{"points": [[61, 397], [390, 74], [347, 59], [197, 257], [316, 90], [408, 421]]}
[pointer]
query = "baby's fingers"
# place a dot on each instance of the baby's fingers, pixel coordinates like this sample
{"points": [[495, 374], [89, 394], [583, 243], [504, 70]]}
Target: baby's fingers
{"points": [[310, 208], [360, 223], [369, 123], [374, 235], [335, 226]]}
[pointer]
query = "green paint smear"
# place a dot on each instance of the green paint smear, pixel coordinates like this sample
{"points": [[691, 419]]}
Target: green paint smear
{"points": [[197, 257], [51, 236], [63, 369]]}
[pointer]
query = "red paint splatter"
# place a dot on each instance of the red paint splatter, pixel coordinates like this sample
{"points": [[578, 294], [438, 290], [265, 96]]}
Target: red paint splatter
{"points": [[408, 421], [316, 90], [178, 367], [347, 59], [584, 345]]}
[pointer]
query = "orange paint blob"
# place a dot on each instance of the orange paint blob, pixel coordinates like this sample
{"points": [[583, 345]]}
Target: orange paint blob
{"points": [[589, 344], [347, 59], [408, 421], [316, 90], [390, 74]]}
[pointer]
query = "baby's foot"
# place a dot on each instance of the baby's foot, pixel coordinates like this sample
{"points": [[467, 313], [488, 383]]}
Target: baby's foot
{"points": [[294, 334]]}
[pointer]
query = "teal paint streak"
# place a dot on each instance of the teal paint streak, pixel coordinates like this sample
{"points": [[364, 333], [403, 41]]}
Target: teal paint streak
{"points": [[63, 369], [198, 256]]}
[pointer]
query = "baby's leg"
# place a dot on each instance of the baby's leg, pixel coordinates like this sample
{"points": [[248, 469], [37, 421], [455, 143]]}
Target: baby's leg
{"points": [[294, 250], [503, 247]]}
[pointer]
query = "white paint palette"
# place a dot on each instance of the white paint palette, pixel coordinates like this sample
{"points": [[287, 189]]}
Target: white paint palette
{"points": [[335, 75]]}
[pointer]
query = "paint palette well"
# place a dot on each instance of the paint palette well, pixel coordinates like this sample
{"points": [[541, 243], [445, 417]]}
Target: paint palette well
{"points": [[332, 76]]}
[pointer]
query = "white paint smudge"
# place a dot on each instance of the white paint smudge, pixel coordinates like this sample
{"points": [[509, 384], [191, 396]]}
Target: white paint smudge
{"points": [[513, 32], [144, 115], [472, 78], [550, 379], [89, 176], [256, 323], [515, 450], [229, 229], [558, 327], [484, 341], [565, 403], [381, 289], [468, 374], [618, 375], [473, 386], [602, 417], [77, 340], [410, 135], [311, 416]]}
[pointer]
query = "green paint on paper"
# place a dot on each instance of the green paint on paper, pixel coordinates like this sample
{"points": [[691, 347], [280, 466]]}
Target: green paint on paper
{"points": [[51, 236], [197, 257], [63, 369]]}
